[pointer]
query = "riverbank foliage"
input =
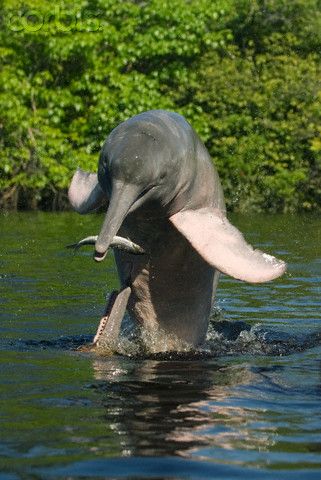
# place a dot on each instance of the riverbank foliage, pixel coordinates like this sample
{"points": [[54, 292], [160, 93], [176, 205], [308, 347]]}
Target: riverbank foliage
{"points": [[245, 73]]}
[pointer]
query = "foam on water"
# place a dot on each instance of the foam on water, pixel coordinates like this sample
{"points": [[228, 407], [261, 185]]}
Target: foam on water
{"points": [[224, 338]]}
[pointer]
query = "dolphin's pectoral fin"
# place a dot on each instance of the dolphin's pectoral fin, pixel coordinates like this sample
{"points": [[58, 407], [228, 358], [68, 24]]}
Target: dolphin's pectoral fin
{"points": [[107, 334], [85, 193], [223, 246]]}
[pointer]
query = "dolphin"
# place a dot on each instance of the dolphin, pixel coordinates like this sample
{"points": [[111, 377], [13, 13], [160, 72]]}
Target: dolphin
{"points": [[164, 194]]}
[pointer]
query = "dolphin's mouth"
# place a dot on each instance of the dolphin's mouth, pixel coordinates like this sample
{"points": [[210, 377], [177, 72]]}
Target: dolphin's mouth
{"points": [[139, 199], [98, 256], [142, 198]]}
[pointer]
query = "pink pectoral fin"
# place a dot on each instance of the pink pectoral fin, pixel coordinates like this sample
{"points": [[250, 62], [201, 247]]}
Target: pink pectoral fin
{"points": [[85, 193], [223, 246]]}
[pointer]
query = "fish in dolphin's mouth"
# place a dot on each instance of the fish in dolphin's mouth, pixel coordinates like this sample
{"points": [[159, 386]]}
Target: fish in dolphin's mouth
{"points": [[117, 242]]}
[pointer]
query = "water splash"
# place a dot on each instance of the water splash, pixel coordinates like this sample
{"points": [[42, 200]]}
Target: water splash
{"points": [[224, 338]]}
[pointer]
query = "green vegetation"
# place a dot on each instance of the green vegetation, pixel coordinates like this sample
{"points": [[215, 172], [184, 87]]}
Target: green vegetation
{"points": [[245, 73]]}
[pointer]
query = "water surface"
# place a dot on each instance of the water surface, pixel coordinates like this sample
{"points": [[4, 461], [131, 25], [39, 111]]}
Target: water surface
{"points": [[250, 405]]}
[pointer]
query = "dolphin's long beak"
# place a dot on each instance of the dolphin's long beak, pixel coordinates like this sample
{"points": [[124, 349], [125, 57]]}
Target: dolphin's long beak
{"points": [[122, 198]]}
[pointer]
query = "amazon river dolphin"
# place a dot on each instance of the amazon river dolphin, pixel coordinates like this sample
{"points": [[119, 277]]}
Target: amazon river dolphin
{"points": [[164, 195]]}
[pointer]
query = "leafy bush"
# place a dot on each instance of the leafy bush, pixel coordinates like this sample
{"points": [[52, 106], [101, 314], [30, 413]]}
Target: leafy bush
{"points": [[246, 74]]}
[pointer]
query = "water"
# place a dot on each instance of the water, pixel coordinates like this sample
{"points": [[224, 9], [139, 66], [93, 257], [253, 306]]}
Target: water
{"points": [[249, 405]]}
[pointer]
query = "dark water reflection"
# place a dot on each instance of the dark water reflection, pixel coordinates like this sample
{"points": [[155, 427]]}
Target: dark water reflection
{"points": [[252, 409]]}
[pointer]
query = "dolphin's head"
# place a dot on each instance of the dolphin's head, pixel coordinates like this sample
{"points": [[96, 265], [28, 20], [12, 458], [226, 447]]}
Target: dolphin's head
{"points": [[136, 166]]}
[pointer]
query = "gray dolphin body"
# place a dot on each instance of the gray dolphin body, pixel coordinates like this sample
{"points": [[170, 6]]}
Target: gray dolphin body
{"points": [[164, 194]]}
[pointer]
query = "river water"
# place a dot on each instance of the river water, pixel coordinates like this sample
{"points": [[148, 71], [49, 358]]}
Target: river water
{"points": [[249, 405]]}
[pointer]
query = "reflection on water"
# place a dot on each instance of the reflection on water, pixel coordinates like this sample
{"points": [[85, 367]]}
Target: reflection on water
{"points": [[250, 400], [157, 408], [206, 410]]}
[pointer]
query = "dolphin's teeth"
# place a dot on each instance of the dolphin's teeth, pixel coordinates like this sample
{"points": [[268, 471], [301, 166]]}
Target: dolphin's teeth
{"points": [[101, 328]]}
